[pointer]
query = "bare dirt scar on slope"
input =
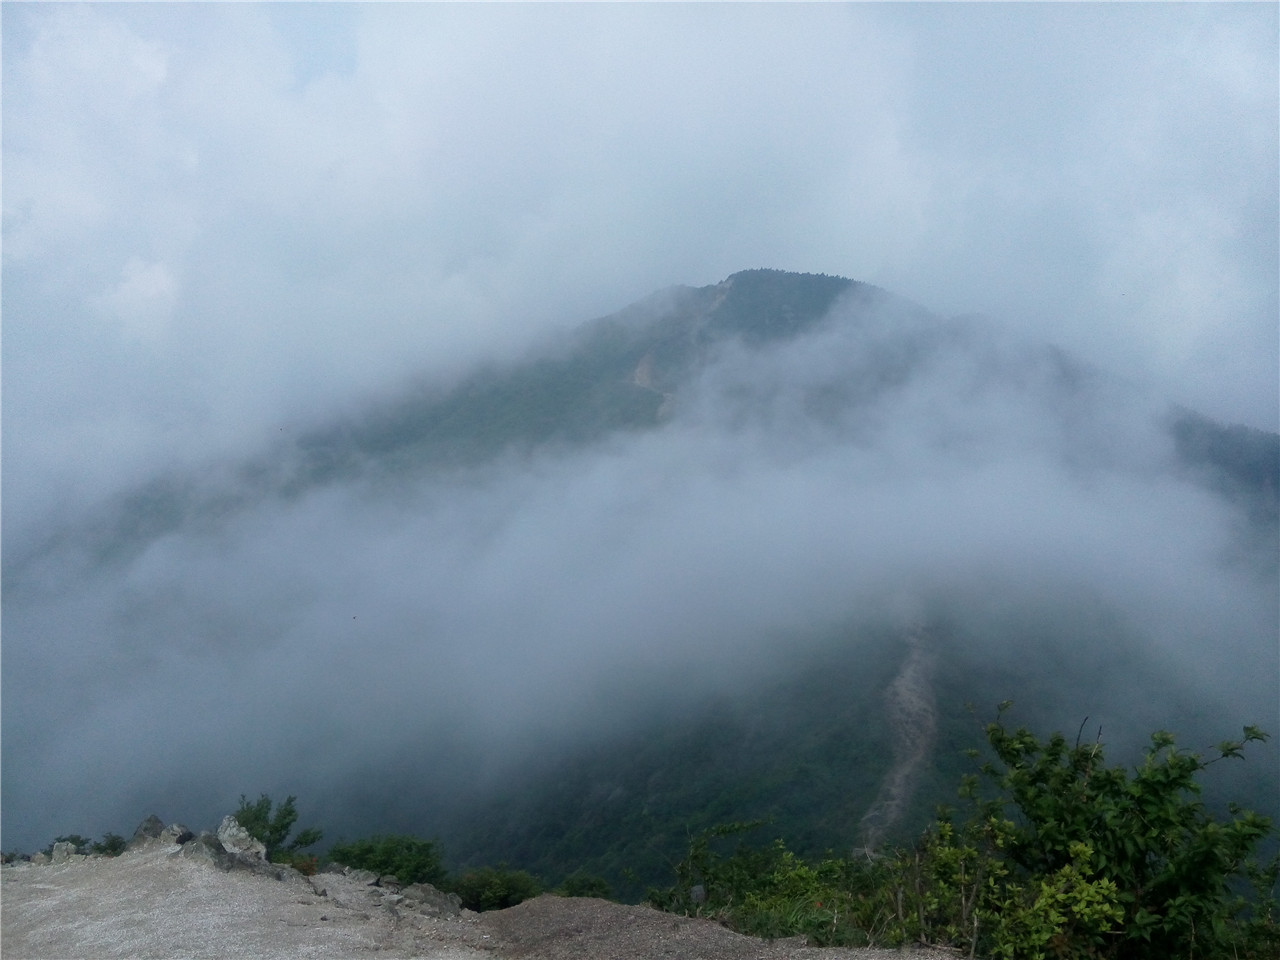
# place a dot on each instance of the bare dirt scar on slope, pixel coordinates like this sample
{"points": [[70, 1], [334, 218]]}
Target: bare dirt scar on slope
{"points": [[912, 714], [152, 905]]}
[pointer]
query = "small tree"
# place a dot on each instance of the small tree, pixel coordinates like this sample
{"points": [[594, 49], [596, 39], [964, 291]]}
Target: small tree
{"points": [[495, 888], [111, 845], [1068, 859], [579, 884], [273, 828], [1134, 864]]}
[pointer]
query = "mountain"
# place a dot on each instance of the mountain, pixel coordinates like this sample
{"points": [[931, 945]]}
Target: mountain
{"points": [[741, 551], [623, 373], [810, 747]]}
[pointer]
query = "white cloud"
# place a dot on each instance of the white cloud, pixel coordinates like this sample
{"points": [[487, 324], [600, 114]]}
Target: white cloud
{"points": [[143, 301]]}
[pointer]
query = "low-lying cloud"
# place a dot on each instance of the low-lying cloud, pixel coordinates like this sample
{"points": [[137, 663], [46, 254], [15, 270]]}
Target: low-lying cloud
{"points": [[229, 227], [883, 468]]}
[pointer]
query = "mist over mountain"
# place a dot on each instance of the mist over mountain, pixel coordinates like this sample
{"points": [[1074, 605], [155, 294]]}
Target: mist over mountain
{"points": [[669, 555]]}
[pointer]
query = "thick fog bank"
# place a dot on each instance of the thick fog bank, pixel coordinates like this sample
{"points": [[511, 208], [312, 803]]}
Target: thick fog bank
{"points": [[429, 630]]}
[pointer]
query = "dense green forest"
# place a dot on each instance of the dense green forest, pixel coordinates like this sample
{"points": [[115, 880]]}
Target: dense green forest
{"points": [[806, 754]]}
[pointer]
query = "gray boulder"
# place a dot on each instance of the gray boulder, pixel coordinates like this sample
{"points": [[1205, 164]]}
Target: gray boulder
{"points": [[366, 877], [148, 833], [175, 833], [211, 849], [208, 848], [63, 851], [433, 902], [236, 839]]}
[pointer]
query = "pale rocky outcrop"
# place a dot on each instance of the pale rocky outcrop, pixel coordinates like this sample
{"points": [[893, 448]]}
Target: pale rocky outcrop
{"points": [[63, 851], [433, 902], [147, 834], [236, 839], [175, 833], [208, 848]]}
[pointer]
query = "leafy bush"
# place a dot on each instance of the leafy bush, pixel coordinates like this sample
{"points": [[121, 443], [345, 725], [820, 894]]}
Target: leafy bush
{"points": [[273, 828], [409, 859], [770, 892], [585, 885], [1134, 866], [111, 845], [1072, 859], [495, 888], [305, 864]]}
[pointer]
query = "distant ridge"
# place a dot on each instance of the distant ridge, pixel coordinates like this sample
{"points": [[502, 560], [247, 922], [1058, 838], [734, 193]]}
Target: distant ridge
{"points": [[579, 393]]}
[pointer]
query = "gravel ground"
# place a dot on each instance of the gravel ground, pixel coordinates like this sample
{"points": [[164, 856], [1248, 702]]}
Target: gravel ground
{"points": [[557, 928], [152, 904]]}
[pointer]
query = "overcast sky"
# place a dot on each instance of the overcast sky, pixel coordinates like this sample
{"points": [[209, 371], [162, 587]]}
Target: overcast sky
{"points": [[222, 217], [224, 221]]}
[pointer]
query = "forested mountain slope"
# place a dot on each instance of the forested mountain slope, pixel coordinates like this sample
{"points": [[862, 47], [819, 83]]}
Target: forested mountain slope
{"points": [[661, 574]]}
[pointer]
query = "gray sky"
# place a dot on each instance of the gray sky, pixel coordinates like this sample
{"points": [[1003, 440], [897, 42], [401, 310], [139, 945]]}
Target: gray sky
{"points": [[222, 218], [225, 222]]}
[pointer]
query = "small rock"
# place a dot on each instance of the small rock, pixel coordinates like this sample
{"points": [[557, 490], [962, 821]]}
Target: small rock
{"points": [[366, 877], [389, 882], [39, 858], [63, 851], [236, 839], [319, 884], [209, 848], [175, 833]]}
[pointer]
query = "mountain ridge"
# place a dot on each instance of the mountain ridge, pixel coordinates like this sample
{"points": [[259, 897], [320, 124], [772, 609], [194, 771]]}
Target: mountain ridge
{"points": [[587, 388], [703, 390]]}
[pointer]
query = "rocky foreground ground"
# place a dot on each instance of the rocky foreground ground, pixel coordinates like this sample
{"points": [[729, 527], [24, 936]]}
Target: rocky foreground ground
{"points": [[157, 903]]}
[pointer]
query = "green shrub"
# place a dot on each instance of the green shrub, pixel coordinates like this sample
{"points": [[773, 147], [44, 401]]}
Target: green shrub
{"points": [[111, 845], [409, 859], [1072, 859], [1127, 865], [769, 892], [585, 885], [273, 828], [495, 888]]}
